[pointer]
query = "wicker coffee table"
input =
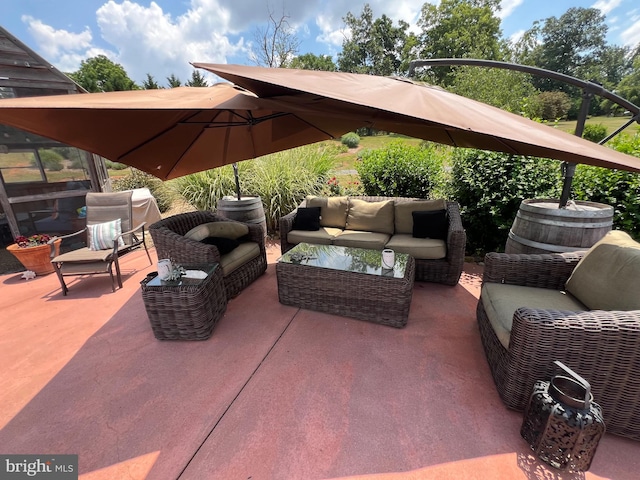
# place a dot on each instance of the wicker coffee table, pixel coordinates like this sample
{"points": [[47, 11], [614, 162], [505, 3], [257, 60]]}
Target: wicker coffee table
{"points": [[346, 281], [186, 309]]}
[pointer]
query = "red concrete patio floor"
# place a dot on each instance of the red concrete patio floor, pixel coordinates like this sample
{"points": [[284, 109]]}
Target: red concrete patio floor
{"points": [[276, 393]]}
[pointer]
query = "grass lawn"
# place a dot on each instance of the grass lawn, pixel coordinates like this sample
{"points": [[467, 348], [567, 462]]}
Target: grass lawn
{"points": [[347, 160], [611, 123]]}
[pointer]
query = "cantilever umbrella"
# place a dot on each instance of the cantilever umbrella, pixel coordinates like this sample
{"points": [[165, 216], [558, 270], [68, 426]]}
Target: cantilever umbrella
{"points": [[417, 110], [172, 132]]}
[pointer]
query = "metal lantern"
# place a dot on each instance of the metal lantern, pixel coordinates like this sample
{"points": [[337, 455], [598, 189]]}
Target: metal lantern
{"points": [[562, 423]]}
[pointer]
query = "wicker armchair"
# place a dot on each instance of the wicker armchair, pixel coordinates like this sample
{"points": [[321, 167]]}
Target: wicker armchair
{"points": [[446, 270], [170, 242], [603, 346]]}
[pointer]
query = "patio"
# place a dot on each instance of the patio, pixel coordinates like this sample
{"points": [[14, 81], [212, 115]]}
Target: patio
{"points": [[276, 393]]}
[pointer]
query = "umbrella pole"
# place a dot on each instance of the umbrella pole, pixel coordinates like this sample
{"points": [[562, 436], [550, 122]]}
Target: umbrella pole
{"points": [[237, 178], [569, 169]]}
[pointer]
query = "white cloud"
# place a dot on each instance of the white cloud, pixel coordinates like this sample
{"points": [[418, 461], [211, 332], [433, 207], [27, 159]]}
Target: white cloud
{"points": [[606, 6], [508, 6], [631, 36], [53, 42], [332, 27], [516, 36], [148, 40]]}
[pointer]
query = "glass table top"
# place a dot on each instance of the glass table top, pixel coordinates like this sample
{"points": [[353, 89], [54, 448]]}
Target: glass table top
{"points": [[194, 277], [348, 259]]}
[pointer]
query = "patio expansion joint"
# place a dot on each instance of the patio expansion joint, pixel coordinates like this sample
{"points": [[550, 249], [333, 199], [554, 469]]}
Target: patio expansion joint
{"points": [[255, 371]]}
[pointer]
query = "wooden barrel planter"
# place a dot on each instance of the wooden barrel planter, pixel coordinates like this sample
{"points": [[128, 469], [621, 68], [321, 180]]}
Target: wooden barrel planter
{"points": [[541, 227], [247, 210]]}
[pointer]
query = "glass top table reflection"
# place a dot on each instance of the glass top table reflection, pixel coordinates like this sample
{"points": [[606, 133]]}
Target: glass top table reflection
{"points": [[347, 259]]}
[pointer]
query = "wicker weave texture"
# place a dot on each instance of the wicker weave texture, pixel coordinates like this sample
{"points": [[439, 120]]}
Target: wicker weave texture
{"points": [[601, 346], [446, 271], [373, 298], [170, 242], [185, 312]]}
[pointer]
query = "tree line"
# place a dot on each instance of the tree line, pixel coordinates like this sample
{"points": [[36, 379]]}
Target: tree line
{"points": [[573, 44]]}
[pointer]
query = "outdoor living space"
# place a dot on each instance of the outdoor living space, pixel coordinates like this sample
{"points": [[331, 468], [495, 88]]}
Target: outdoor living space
{"points": [[277, 392]]}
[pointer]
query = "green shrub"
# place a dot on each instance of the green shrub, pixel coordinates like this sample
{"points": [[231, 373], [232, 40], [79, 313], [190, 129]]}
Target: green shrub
{"points": [[351, 139], [625, 143], [594, 132], [161, 191], [489, 186], [51, 160], [77, 162], [281, 180], [402, 170], [550, 105], [617, 188], [115, 165]]}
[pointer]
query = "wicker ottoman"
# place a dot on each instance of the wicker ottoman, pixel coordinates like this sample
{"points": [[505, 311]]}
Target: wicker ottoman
{"points": [[187, 309]]}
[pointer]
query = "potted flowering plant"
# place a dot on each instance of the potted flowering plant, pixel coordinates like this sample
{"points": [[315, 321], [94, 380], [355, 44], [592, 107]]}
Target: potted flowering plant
{"points": [[35, 252]]}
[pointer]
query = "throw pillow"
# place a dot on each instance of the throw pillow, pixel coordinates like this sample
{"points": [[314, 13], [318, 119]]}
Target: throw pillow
{"points": [[307, 219], [233, 230], [102, 235], [404, 212], [430, 224], [370, 216], [224, 245], [606, 278], [333, 210]]}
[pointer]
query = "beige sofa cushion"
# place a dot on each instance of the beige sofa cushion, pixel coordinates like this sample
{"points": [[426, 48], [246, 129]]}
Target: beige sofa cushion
{"points": [[333, 210], [358, 239], [324, 236], [370, 216], [420, 248], [500, 301], [607, 277], [232, 230], [237, 257], [403, 216]]}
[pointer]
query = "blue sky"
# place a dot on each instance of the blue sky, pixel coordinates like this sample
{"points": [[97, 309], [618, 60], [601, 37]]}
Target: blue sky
{"points": [[163, 36]]}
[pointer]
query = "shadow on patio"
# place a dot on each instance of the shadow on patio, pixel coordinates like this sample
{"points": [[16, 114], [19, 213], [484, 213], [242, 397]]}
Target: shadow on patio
{"points": [[275, 393]]}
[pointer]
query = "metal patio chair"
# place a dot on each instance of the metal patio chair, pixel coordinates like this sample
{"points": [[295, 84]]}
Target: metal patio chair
{"points": [[106, 243]]}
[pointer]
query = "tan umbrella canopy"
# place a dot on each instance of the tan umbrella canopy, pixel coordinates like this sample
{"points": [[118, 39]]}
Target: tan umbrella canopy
{"points": [[171, 132], [422, 111]]}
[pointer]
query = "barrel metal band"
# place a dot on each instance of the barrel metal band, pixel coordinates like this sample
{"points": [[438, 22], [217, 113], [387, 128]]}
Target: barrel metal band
{"points": [[557, 223], [544, 246]]}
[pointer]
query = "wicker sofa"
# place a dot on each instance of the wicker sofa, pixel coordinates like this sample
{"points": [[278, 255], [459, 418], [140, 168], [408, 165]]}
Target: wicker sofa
{"points": [[353, 222], [535, 309], [240, 267]]}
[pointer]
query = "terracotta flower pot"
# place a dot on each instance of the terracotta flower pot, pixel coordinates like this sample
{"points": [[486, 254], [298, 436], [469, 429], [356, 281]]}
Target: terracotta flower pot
{"points": [[38, 258]]}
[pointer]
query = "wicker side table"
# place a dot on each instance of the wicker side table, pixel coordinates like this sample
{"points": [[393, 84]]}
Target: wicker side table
{"points": [[186, 309]]}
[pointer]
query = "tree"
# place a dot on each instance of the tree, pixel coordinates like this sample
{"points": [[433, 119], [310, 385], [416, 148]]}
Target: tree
{"points": [[459, 29], [150, 83], [374, 47], [573, 44], [99, 74], [505, 89], [277, 43], [310, 61], [173, 81], [197, 80], [629, 86]]}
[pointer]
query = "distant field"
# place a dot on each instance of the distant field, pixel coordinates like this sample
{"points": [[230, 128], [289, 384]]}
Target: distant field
{"points": [[346, 161], [611, 123]]}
